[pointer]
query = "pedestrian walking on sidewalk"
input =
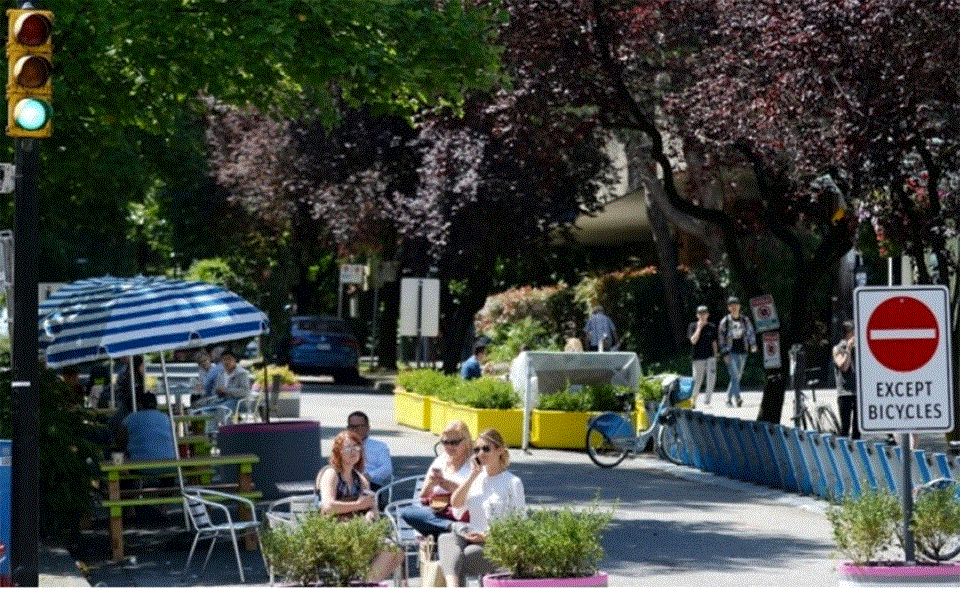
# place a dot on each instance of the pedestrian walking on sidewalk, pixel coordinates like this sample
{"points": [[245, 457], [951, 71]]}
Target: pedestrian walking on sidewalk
{"points": [[843, 361], [703, 355], [737, 337]]}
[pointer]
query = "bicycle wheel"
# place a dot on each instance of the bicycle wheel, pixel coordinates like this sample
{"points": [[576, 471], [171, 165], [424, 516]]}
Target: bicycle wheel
{"points": [[605, 445], [669, 445], [827, 421], [806, 421]]}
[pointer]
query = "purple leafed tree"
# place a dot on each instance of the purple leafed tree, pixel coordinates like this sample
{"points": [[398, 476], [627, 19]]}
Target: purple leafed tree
{"points": [[845, 111]]}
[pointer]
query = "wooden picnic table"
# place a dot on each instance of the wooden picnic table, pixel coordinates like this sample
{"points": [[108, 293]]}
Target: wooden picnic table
{"points": [[147, 468]]}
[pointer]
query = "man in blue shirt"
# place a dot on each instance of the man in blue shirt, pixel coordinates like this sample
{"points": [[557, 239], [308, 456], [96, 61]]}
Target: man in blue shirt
{"points": [[147, 434], [600, 330], [471, 368]]}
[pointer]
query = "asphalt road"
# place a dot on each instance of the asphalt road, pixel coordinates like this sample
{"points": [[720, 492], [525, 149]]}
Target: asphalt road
{"points": [[672, 526]]}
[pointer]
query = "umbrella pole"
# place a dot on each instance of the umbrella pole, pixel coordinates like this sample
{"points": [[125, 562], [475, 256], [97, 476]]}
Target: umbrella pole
{"points": [[113, 388], [133, 386], [173, 430]]}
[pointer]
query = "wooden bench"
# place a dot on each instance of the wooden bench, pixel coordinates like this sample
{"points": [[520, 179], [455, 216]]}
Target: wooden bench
{"points": [[171, 496]]}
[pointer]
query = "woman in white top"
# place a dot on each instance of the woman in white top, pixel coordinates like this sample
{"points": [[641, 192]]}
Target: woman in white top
{"points": [[445, 475], [488, 493]]}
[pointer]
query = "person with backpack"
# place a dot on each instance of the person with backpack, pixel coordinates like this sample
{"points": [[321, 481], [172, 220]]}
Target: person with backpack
{"points": [[737, 337]]}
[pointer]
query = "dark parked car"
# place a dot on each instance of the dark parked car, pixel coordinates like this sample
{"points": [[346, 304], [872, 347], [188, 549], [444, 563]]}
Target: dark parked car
{"points": [[324, 344]]}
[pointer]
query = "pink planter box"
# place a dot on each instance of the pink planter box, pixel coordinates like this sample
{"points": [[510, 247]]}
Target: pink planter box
{"points": [[947, 574], [599, 579]]}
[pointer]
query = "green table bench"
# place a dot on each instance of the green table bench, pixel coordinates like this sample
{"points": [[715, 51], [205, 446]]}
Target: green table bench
{"points": [[168, 496]]}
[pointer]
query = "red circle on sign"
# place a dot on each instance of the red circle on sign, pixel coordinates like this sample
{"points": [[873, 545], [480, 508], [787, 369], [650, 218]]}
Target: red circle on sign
{"points": [[903, 334]]}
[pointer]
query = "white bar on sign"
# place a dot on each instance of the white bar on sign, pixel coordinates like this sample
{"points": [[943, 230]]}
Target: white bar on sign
{"points": [[903, 334]]}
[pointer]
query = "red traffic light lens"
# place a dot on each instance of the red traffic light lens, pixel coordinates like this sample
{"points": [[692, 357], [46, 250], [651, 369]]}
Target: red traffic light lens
{"points": [[32, 71], [32, 29]]}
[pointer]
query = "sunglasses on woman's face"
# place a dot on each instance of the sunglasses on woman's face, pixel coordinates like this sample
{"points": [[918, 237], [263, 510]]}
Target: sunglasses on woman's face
{"points": [[351, 448], [455, 442], [480, 449]]}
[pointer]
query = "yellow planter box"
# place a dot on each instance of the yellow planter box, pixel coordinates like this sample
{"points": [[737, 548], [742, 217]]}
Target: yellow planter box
{"points": [[508, 421], [439, 415], [559, 428], [411, 409]]}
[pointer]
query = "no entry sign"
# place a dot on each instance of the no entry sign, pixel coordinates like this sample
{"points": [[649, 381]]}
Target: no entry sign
{"points": [[904, 381]]}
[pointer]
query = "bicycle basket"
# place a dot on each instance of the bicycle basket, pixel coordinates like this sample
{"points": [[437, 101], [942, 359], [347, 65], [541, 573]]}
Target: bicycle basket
{"points": [[613, 426], [682, 390]]}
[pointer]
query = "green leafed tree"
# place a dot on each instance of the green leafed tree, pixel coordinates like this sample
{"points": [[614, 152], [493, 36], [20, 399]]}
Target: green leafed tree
{"points": [[129, 77]]}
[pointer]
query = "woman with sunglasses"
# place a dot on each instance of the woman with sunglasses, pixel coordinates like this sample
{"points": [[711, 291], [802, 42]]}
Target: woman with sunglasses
{"points": [[444, 476], [488, 493], [345, 492]]}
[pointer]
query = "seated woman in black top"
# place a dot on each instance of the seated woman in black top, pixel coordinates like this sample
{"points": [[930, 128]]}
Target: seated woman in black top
{"points": [[345, 492]]}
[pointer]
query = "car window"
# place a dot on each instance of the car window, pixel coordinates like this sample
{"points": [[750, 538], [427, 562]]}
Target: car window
{"points": [[322, 326]]}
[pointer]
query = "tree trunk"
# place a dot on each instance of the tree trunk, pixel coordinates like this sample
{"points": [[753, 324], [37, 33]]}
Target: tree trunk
{"points": [[667, 258]]}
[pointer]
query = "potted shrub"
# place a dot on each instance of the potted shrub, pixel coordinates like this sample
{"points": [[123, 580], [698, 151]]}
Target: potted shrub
{"points": [[322, 550], [547, 548], [866, 530], [287, 403]]}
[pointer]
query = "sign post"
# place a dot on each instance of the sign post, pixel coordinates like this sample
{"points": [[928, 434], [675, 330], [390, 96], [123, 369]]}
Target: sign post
{"points": [[904, 375]]}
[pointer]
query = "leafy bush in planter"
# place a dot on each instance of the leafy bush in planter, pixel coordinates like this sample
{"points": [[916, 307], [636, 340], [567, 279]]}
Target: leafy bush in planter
{"points": [[936, 520], [427, 382], [865, 526], [548, 543], [485, 392], [602, 397], [324, 550], [565, 400], [287, 377]]}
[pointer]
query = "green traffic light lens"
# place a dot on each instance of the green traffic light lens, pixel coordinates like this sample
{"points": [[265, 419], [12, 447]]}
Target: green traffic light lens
{"points": [[31, 114]]}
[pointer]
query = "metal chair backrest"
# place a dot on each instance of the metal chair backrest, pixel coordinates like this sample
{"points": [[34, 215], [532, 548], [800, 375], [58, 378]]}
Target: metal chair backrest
{"points": [[196, 509]]}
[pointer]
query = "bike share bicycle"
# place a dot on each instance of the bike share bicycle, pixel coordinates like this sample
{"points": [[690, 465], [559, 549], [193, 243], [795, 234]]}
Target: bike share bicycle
{"points": [[611, 437]]}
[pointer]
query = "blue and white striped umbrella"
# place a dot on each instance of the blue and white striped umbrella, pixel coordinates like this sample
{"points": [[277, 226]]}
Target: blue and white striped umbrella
{"points": [[110, 317]]}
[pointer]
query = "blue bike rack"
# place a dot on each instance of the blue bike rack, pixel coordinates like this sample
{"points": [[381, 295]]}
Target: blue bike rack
{"points": [[892, 456], [750, 452], [921, 466], [834, 483], [685, 426], [820, 483], [701, 434], [728, 427], [953, 467], [768, 463], [871, 466], [806, 479], [845, 464], [726, 464], [785, 470], [943, 465]]}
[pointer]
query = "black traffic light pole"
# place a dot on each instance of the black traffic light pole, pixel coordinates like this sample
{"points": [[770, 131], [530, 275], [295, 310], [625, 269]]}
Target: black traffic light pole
{"points": [[24, 533]]}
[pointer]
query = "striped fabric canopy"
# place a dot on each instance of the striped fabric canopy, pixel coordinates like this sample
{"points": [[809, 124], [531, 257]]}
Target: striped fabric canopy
{"points": [[109, 317]]}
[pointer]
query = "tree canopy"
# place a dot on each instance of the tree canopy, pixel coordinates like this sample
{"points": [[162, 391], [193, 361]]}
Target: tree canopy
{"points": [[130, 78]]}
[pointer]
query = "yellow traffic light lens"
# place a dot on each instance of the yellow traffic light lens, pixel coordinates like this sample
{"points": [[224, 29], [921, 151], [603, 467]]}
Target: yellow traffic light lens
{"points": [[31, 114], [32, 71], [32, 29]]}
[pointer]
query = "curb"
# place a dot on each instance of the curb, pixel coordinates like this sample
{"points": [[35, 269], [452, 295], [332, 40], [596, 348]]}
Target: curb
{"points": [[58, 569]]}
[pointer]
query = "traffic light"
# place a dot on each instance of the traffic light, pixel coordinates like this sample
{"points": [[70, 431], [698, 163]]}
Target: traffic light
{"points": [[29, 65]]}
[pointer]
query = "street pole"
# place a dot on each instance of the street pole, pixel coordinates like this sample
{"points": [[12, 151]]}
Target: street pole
{"points": [[24, 534], [899, 272]]}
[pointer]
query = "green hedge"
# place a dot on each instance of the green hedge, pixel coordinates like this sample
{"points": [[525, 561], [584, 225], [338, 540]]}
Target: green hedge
{"points": [[485, 392], [427, 382]]}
